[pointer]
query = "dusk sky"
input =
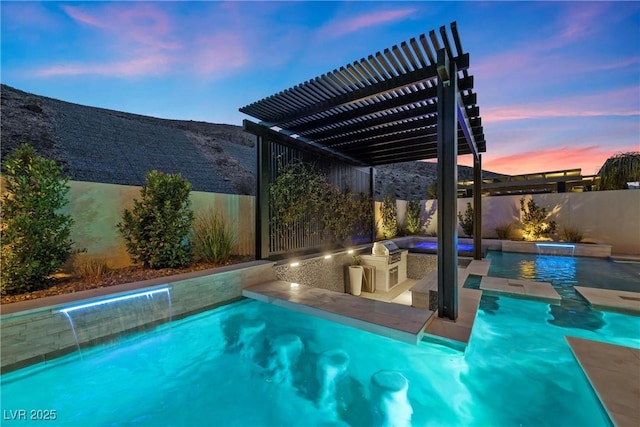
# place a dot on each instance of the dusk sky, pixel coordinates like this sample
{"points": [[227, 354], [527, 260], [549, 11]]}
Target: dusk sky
{"points": [[558, 83]]}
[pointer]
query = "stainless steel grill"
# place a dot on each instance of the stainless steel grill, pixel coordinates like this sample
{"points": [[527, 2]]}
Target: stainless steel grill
{"points": [[389, 249]]}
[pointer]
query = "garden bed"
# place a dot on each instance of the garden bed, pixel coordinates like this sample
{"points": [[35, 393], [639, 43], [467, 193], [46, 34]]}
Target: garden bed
{"points": [[66, 284]]}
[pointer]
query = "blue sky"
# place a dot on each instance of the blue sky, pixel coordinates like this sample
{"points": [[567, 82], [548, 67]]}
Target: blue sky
{"points": [[558, 83]]}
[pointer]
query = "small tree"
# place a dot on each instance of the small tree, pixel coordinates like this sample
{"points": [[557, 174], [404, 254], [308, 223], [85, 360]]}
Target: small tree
{"points": [[534, 221], [389, 217], [413, 217], [466, 221], [156, 229], [618, 170], [35, 235]]}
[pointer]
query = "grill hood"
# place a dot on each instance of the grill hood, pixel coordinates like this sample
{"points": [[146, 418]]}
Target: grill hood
{"points": [[385, 247]]}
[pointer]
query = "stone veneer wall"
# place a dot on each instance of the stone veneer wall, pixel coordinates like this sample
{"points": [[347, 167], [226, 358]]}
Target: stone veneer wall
{"points": [[317, 272], [39, 335], [418, 265], [331, 273]]}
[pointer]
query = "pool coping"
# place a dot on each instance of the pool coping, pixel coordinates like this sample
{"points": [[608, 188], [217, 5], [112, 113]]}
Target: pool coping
{"points": [[626, 302], [394, 321], [612, 371]]}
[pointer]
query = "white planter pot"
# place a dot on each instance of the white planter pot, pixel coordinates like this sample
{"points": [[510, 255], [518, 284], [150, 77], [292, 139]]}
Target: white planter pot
{"points": [[355, 279]]}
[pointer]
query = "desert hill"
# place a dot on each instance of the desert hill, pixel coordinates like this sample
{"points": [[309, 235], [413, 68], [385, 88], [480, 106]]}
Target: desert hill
{"points": [[99, 145]]}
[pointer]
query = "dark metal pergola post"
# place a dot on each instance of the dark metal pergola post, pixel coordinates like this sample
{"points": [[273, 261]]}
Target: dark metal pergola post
{"points": [[447, 187], [262, 198], [477, 207], [372, 192]]}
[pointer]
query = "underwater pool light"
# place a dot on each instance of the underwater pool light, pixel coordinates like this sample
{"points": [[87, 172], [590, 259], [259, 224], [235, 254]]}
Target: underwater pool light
{"points": [[147, 294]]}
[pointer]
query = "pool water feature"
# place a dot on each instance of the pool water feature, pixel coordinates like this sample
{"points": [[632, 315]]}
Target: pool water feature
{"points": [[93, 322], [251, 363]]}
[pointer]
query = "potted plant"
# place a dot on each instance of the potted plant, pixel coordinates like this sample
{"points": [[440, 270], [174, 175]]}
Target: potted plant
{"points": [[355, 276]]}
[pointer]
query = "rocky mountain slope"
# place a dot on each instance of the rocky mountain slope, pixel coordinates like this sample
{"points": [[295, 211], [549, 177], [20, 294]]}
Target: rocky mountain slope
{"points": [[100, 145]]}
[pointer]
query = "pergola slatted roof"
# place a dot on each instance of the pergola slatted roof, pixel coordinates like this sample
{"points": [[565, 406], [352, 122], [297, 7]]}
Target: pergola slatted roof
{"points": [[409, 102], [378, 110]]}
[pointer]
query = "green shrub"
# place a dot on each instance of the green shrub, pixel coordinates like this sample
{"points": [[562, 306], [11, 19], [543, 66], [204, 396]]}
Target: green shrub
{"points": [[413, 217], [35, 235], [534, 221], [571, 234], [466, 220], [505, 231], [213, 238], [156, 229], [389, 216], [91, 270]]}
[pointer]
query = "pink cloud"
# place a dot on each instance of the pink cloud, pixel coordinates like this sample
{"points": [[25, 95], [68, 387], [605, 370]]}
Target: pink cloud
{"points": [[620, 103], [151, 65], [136, 22], [142, 40], [548, 57], [220, 53], [587, 158], [579, 22], [341, 27]]}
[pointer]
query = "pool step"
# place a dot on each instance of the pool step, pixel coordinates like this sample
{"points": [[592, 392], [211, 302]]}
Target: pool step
{"points": [[542, 291], [611, 300]]}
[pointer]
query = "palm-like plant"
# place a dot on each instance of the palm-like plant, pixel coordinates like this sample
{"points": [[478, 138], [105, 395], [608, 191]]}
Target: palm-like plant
{"points": [[618, 170]]}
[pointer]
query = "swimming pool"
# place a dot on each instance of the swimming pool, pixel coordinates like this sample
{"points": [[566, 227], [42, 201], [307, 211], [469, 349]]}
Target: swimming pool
{"points": [[225, 367], [565, 272]]}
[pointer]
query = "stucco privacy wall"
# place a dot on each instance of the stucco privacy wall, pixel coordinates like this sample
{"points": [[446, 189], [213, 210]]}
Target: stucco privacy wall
{"points": [[39, 335], [96, 209], [611, 217]]}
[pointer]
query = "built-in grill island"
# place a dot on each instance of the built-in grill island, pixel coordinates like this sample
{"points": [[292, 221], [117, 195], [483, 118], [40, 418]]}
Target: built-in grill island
{"points": [[390, 264]]}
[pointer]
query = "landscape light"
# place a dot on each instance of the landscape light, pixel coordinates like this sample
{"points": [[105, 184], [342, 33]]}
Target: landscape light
{"points": [[294, 264]]}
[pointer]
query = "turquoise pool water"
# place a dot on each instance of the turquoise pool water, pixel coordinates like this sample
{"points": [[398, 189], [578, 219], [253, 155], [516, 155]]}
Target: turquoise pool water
{"points": [[207, 370], [565, 272]]}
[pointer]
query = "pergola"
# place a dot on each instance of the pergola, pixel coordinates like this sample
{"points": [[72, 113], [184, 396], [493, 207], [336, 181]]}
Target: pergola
{"points": [[410, 102]]}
